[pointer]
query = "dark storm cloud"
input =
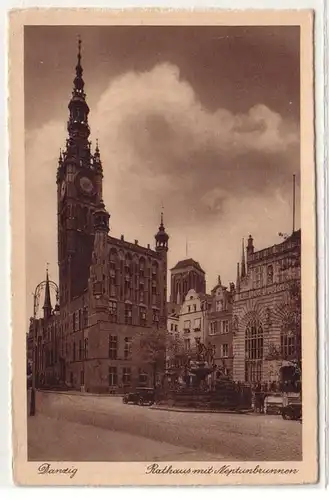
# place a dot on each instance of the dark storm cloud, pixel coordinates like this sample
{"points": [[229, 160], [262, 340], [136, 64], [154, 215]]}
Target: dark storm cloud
{"points": [[248, 64], [204, 120]]}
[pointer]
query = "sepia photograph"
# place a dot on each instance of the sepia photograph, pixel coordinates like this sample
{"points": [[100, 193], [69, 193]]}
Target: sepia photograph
{"points": [[164, 258]]}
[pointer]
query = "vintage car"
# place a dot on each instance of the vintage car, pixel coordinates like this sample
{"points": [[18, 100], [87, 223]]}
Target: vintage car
{"points": [[141, 396]]}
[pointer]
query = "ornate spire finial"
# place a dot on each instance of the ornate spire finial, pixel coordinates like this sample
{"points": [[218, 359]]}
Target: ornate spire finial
{"points": [[77, 126], [78, 81], [47, 301], [79, 48]]}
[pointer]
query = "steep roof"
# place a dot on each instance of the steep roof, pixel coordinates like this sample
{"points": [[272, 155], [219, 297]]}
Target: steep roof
{"points": [[182, 264]]}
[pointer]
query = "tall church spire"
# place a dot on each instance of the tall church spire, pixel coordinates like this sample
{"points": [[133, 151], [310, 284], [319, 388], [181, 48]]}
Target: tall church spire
{"points": [[243, 261], [47, 301], [78, 145]]}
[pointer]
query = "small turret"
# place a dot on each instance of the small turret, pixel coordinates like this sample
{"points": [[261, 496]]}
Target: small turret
{"points": [[97, 157], [101, 218], [98, 167], [250, 246], [161, 238]]}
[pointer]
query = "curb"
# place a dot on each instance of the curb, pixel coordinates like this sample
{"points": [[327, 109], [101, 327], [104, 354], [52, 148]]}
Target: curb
{"points": [[185, 410], [77, 393]]}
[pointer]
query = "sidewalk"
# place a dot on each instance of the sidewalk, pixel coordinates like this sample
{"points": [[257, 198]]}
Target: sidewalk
{"points": [[51, 439]]}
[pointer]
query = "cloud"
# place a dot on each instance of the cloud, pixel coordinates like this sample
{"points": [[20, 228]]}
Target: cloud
{"points": [[219, 175]]}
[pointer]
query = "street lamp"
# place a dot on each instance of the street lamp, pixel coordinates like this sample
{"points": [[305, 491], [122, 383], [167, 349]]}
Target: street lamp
{"points": [[36, 298]]}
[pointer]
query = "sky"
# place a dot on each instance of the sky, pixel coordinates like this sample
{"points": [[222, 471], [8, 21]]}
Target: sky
{"points": [[202, 121]]}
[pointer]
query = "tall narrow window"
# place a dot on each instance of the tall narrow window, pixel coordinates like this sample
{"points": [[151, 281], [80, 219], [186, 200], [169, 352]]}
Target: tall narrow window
{"points": [[187, 326], [197, 324], [142, 316], [126, 376], [127, 348], [257, 277], [113, 347], [254, 351], [128, 314], [113, 376], [86, 349], [225, 326], [113, 311], [224, 350], [141, 292]]}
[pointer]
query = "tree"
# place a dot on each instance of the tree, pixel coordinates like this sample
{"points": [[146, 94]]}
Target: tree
{"points": [[149, 350]]}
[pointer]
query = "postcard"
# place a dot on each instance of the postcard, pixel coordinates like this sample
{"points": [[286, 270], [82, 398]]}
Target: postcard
{"points": [[163, 247]]}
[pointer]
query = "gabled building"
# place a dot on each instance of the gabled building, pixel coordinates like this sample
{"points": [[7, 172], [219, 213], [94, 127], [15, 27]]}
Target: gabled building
{"points": [[220, 332], [193, 318]]}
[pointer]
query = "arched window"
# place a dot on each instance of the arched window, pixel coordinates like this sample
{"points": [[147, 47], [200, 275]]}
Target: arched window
{"points": [[254, 350]]}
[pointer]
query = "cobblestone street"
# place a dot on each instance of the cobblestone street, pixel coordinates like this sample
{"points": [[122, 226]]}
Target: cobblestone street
{"points": [[74, 427]]}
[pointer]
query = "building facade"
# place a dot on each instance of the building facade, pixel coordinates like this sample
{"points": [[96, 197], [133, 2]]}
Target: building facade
{"points": [[267, 311], [110, 290], [220, 332], [193, 319]]}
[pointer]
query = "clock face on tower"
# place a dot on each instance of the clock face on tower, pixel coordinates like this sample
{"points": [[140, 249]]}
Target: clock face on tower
{"points": [[86, 185]]}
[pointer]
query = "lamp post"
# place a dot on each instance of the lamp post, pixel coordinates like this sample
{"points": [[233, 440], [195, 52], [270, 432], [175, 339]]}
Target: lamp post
{"points": [[36, 298]]}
